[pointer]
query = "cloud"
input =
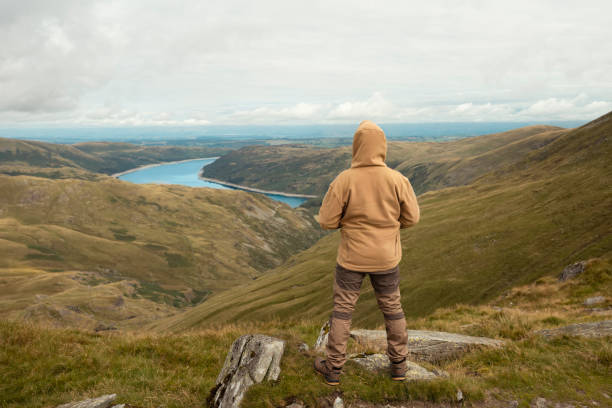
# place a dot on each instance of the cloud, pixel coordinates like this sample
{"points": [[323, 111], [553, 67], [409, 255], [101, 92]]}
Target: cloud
{"points": [[375, 107], [298, 112], [114, 116], [275, 61], [577, 108], [379, 108], [49, 57]]}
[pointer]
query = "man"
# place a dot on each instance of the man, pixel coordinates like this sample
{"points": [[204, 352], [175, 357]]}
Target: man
{"points": [[370, 203]]}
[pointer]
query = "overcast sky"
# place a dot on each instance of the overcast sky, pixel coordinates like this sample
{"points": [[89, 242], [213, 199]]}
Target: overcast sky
{"points": [[238, 62]]}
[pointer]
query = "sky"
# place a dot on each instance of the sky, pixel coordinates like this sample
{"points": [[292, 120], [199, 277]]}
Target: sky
{"points": [[148, 63]]}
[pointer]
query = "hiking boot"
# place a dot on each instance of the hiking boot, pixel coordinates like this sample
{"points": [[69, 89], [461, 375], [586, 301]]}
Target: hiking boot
{"points": [[331, 375], [398, 370]]}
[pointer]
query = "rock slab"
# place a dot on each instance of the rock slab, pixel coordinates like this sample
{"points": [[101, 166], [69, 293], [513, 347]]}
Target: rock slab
{"points": [[380, 362], [594, 300], [424, 345], [571, 271], [596, 329], [252, 358], [104, 401], [321, 341]]}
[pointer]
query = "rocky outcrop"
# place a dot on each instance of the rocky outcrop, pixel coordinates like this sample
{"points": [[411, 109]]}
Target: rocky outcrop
{"points": [[380, 362], [596, 329], [104, 401], [571, 271], [595, 300], [321, 341], [425, 345], [253, 358]]}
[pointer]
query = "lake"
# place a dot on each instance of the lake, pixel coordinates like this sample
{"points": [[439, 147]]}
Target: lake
{"points": [[186, 173]]}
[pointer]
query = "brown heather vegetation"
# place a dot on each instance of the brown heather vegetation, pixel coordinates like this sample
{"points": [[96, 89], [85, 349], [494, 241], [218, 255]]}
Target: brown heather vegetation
{"points": [[97, 250]]}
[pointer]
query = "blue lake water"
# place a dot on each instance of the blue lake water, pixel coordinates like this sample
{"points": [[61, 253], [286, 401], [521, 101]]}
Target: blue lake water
{"points": [[186, 173]]}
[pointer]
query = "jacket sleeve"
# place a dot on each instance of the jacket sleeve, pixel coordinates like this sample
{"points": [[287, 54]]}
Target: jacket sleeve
{"points": [[331, 210], [409, 208]]}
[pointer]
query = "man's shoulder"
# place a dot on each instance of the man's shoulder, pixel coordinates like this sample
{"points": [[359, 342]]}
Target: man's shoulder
{"points": [[395, 173]]}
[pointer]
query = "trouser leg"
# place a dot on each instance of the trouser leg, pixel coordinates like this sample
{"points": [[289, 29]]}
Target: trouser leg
{"points": [[346, 292], [386, 289]]}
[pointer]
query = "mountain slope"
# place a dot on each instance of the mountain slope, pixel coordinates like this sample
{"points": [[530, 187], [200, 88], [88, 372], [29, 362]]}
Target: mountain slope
{"points": [[429, 165], [80, 160], [178, 243], [474, 242]]}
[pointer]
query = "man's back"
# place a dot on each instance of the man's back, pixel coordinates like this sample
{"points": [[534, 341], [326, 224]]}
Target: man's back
{"points": [[370, 202]]}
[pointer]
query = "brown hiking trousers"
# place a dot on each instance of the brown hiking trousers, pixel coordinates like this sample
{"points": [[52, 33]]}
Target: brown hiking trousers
{"points": [[347, 285]]}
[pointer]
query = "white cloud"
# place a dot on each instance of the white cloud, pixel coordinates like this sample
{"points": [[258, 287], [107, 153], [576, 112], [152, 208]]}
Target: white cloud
{"points": [[274, 61], [298, 112], [578, 108], [378, 108], [125, 117]]}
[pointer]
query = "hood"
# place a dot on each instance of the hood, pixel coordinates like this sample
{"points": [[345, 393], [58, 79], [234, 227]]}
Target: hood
{"points": [[369, 145]]}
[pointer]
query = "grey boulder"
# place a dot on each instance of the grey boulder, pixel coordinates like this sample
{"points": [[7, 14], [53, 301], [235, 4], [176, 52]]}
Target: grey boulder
{"points": [[424, 345], [594, 300], [571, 271], [253, 358], [380, 362], [321, 341]]}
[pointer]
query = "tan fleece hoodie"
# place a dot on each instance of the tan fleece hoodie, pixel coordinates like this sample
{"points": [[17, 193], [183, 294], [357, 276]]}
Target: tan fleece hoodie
{"points": [[370, 203]]}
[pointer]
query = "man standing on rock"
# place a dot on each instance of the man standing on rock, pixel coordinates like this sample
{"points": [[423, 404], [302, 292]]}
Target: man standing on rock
{"points": [[370, 202]]}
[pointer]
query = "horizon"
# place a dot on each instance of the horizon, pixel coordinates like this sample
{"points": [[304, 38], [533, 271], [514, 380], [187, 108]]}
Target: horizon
{"points": [[157, 134]]}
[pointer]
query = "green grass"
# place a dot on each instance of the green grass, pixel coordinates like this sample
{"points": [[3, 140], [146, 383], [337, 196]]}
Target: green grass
{"points": [[45, 367]]}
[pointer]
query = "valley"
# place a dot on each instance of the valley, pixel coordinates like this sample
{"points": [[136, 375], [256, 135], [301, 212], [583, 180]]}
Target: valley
{"points": [[89, 242]]}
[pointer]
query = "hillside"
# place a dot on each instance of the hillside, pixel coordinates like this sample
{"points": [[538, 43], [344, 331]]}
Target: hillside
{"points": [[21, 157], [67, 243], [474, 242], [179, 370], [429, 165]]}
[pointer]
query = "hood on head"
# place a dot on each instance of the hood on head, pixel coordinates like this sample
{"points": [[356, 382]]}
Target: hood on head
{"points": [[369, 145]]}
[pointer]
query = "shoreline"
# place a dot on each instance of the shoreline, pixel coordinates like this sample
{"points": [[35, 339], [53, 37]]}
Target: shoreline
{"points": [[212, 180], [146, 166], [252, 189]]}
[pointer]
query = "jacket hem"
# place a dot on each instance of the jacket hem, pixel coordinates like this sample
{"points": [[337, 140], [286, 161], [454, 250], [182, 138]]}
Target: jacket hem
{"points": [[385, 268]]}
